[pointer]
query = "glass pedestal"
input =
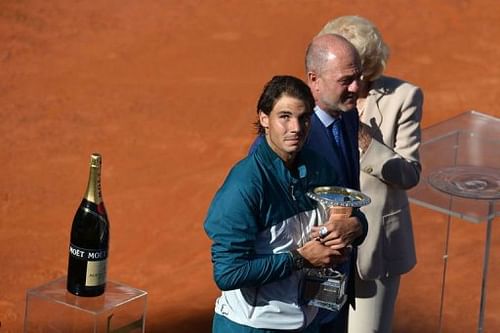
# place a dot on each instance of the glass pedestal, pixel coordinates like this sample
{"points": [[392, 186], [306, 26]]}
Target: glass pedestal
{"points": [[461, 178], [50, 308]]}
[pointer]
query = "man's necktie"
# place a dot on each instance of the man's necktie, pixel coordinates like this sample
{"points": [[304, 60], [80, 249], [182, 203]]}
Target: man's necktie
{"points": [[338, 136]]}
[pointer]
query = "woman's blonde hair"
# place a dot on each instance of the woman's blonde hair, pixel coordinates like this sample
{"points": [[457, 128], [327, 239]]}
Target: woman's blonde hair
{"points": [[366, 38]]}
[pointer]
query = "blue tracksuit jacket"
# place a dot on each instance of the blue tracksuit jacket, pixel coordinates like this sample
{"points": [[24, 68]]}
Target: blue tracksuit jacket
{"points": [[260, 213]]}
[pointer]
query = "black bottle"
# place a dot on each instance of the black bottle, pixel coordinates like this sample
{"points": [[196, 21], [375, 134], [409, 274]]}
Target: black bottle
{"points": [[88, 248]]}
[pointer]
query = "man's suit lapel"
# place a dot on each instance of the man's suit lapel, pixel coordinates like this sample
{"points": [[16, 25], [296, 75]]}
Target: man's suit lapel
{"points": [[351, 124]]}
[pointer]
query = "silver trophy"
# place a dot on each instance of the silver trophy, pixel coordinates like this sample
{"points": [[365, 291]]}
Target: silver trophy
{"points": [[326, 287]]}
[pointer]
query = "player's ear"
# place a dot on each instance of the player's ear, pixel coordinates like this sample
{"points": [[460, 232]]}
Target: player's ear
{"points": [[264, 120]]}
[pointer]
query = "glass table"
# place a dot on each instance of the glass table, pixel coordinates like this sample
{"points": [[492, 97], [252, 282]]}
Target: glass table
{"points": [[50, 308], [461, 178]]}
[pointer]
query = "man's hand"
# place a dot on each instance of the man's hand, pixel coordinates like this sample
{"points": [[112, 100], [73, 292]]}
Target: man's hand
{"points": [[318, 255], [341, 230]]}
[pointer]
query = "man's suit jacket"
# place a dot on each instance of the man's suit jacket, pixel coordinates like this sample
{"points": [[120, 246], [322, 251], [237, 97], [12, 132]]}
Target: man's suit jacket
{"points": [[320, 141], [390, 166]]}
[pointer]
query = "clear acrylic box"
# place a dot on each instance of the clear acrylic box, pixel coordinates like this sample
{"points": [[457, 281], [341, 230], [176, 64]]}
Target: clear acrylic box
{"points": [[461, 178], [50, 308]]}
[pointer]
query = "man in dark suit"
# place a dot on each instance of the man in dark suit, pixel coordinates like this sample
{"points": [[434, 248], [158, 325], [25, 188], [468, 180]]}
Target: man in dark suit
{"points": [[333, 71], [390, 112]]}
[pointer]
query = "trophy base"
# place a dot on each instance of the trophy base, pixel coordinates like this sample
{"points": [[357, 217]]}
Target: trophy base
{"points": [[325, 288]]}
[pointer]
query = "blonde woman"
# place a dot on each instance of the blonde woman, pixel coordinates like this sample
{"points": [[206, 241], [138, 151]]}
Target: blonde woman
{"points": [[390, 112]]}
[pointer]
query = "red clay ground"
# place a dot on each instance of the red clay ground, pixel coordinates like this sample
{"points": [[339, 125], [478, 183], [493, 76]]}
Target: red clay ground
{"points": [[165, 90]]}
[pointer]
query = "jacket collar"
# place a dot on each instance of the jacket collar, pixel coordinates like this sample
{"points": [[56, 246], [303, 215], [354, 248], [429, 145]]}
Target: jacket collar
{"points": [[271, 160], [325, 117], [373, 110]]}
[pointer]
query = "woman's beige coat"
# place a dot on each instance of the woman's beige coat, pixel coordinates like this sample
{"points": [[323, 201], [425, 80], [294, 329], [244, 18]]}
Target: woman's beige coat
{"points": [[390, 166]]}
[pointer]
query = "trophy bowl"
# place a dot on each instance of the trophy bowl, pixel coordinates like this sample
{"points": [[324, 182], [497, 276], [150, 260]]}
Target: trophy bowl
{"points": [[330, 196]]}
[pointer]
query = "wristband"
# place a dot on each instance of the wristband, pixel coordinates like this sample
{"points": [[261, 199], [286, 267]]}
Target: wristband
{"points": [[298, 260]]}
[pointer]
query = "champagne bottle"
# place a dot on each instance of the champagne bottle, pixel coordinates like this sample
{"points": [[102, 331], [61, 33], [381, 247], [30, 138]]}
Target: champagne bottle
{"points": [[88, 248]]}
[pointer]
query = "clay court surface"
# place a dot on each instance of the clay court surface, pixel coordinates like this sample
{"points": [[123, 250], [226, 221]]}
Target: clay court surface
{"points": [[166, 91]]}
